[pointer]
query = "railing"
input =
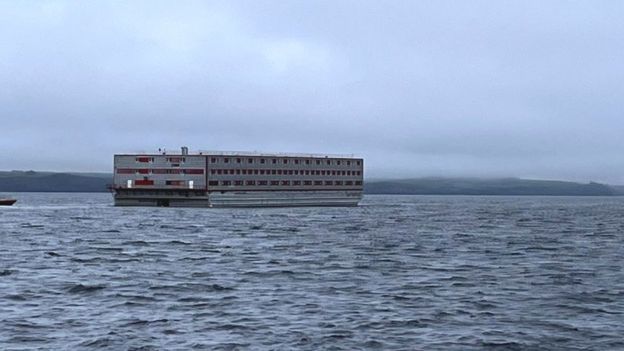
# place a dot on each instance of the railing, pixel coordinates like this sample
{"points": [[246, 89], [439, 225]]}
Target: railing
{"points": [[245, 153]]}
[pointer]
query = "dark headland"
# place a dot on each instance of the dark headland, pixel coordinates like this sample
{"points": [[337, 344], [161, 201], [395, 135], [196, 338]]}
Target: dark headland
{"points": [[31, 181]]}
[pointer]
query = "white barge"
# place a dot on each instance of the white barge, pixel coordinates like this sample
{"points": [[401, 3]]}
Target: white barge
{"points": [[236, 179]]}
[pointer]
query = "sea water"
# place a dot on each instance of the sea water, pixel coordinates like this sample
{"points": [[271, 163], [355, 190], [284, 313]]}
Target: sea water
{"points": [[396, 273]]}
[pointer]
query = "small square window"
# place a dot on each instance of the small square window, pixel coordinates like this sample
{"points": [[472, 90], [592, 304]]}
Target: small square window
{"points": [[250, 160], [238, 160]]}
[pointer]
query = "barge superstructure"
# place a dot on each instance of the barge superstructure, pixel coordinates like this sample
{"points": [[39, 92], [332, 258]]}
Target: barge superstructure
{"points": [[236, 179]]}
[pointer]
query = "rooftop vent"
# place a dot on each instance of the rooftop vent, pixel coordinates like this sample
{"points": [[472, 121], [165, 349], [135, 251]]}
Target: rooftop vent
{"points": [[184, 150]]}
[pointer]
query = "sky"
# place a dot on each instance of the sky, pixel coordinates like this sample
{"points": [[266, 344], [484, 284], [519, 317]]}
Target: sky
{"points": [[531, 89]]}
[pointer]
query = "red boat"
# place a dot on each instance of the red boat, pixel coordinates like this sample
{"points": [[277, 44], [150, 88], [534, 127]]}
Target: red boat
{"points": [[7, 202]]}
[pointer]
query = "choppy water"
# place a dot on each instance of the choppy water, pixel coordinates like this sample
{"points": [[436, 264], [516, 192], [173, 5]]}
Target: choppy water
{"points": [[401, 272]]}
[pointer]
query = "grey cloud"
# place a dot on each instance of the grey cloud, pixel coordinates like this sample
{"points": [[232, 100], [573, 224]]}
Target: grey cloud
{"points": [[485, 88]]}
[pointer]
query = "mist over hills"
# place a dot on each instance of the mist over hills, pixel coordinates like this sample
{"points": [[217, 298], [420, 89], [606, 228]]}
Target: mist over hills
{"points": [[475, 186], [31, 181]]}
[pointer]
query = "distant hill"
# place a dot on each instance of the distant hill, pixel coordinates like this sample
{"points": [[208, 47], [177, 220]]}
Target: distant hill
{"points": [[474, 186], [619, 189], [30, 181]]}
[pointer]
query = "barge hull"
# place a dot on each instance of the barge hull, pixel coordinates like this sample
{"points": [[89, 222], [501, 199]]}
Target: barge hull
{"points": [[247, 199]]}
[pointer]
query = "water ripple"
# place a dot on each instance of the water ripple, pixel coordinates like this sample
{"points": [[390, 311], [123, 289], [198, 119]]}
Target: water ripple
{"points": [[397, 273]]}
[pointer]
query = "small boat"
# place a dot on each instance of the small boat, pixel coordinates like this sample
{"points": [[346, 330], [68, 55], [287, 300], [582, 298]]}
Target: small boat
{"points": [[7, 202]]}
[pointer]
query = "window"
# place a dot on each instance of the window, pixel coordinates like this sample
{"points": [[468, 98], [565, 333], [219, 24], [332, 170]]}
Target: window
{"points": [[213, 171], [250, 160], [251, 182], [231, 171], [296, 162], [262, 171], [125, 171], [279, 171], [143, 171], [329, 162], [297, 182], [285, 161], [238, 171], [338, 182], [193, 171], [338, 162], [348, 172], [273, 171], [307, 162], [307, 172], [226, 160], [318, 182], [333, 172], [238, 160], [144, 159], [296, 172], [238, 182], [213, 160], [274, 161], [290, 171], [213, 183], [219, 171], [274, 182], [262, 182], [322, 172], [358, 182], [176, 159], [143, 182], [262, 160], [328, 182], [344, 172], [318, 162], [349, 182], [307, 182], [226, 183], [358, 163], [175, 182], [285, 182], [348, 163]]}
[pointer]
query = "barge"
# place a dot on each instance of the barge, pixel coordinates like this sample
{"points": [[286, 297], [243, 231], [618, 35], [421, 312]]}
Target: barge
{"points": [[236, 179]]}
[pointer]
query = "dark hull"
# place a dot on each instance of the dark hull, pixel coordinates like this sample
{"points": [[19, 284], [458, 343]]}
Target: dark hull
{"points": [[7, 202]]}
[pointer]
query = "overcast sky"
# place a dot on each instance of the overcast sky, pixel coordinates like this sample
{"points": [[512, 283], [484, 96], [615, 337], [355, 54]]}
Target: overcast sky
{"points": [[418, 88]]}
